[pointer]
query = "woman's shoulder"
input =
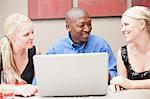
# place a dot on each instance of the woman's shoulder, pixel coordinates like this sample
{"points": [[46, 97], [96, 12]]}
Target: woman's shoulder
{"points": [[131, 48], [122, 51]]}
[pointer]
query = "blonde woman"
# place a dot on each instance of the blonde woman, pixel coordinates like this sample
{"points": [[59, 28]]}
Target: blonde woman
{"points": [[17, 50], [133, 59]]}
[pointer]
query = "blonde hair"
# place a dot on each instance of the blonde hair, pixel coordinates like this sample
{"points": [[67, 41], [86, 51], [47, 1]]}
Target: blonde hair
{"points": [[12, 25], [139, 13]]}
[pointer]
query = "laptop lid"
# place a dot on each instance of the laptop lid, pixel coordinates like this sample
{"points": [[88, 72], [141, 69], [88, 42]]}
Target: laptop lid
{"points": [[72, 74]]}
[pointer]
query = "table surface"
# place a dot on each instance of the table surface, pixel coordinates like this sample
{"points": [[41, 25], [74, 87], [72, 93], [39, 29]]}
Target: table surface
{"points": [[129, 94]]}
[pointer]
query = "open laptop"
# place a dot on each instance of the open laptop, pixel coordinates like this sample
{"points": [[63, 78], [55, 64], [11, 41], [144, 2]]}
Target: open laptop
{"points": [[72, 74]]}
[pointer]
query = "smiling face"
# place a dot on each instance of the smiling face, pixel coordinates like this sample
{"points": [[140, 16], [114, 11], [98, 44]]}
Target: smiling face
{"points": [[130, 28], [24, 37], [80, 29], [135, 23], [79, 25]]}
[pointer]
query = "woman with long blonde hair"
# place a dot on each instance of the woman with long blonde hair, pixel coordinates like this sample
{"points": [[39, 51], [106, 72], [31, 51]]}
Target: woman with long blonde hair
{"points": [[17, 50], [133, 59]]}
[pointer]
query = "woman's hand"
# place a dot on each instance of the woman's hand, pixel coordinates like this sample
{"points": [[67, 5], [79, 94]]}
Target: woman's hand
{"points": [[115, 88], [119, 83], [25, 90]]}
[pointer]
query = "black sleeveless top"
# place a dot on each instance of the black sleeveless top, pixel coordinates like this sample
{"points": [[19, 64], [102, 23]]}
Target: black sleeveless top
{"points": [[28, 73], [133, 75]]}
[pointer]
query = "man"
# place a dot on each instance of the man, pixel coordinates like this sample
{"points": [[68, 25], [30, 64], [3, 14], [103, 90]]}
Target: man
{"points": [[79, 40]]}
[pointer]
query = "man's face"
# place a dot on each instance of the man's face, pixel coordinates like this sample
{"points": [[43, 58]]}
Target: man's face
{"points": [[80, 29]]}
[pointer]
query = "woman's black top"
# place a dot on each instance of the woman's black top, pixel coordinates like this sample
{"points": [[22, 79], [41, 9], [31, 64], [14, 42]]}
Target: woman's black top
{"points": [[28, 73], [133, 75]]}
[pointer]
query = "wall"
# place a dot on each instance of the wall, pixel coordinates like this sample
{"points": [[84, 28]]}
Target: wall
{"points": [[48, 31], [11, 6]]}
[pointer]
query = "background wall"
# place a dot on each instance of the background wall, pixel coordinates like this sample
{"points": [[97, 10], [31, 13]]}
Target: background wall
{"points": [[48, 31], [11, 6]]}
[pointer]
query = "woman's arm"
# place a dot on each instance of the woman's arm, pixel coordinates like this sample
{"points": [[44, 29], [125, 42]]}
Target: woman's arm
{"points": [[140, 84], [25, 90], [121, 69], [130, 84], [21, 90]]}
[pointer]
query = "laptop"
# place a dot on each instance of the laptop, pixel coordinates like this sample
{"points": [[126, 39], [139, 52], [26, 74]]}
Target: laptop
{"points": [[84, 74]]}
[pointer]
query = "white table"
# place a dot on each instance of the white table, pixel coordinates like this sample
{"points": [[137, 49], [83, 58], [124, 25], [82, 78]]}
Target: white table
{"points": [[125, 94]]}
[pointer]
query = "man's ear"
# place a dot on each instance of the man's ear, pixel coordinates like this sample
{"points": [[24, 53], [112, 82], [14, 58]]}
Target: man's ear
{"points": [[142, 24], [67, 27]]}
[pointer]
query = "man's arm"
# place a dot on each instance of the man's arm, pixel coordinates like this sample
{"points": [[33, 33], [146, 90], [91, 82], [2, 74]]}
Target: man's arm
{"points": [[111, 63], [50, 50]]}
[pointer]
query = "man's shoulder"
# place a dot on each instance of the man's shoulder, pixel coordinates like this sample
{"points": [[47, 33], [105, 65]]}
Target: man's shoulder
{"points": [[60, 41], [96, 38]]}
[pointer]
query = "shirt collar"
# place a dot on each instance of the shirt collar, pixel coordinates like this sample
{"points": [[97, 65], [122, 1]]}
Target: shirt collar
{"points": [[73, 44]]}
